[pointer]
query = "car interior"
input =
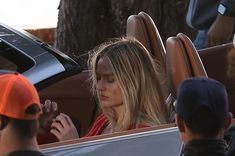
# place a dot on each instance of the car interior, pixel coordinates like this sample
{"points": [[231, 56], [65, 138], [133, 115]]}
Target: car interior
{"points": [[214, 60], [182, 61]]}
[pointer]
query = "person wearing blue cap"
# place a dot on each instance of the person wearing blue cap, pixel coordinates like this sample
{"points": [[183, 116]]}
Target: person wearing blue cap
{"points": [[202, 116]]}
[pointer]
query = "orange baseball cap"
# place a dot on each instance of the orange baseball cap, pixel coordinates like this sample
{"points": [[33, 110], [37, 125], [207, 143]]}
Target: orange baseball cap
{"points": [[17, 94]]}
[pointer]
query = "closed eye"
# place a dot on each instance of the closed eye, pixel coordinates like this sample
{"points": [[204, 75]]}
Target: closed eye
{"points": [[110, 80]]}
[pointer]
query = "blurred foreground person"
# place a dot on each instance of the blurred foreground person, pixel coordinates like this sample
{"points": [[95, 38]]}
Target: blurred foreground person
{"points": [[202, 117], [214, 21], [19, 112]]}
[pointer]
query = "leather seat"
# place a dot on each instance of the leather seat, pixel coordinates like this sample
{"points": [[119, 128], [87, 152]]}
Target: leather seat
{"points": [[215, 61], [182, 61], [143, 28]]}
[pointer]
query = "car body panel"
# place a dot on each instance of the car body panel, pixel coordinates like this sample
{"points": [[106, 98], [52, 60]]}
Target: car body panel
{"points": [[47, 66], [44, 62], [164, 142]]}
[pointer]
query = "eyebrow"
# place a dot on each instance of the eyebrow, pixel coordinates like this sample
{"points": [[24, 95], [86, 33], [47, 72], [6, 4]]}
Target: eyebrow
{"points": [[105, 74], [111, 74]]}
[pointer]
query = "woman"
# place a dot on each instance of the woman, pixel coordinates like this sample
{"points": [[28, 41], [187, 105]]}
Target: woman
{"points": [[125, 82]]}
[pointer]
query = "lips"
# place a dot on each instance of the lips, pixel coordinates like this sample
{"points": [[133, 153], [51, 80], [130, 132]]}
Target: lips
{"points": [[103, 97]]}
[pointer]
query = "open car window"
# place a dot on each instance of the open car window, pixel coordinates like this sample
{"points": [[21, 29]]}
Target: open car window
{"points": [[6, 64], [12, 59]]}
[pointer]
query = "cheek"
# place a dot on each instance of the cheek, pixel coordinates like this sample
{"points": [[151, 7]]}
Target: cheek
{"points": [[117, 94]]}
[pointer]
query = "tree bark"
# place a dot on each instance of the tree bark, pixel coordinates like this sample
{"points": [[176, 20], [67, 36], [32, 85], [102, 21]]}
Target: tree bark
{"points": [[83, 24]]}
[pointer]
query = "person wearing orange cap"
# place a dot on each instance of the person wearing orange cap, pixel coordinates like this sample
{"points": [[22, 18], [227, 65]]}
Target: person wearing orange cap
{"points": [[20, 109]]}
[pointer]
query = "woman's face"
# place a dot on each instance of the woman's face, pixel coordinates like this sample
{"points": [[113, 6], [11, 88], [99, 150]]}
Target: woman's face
{"points": [[108, 89]]}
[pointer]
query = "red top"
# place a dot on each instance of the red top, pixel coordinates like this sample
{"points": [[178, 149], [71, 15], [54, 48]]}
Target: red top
{"points": [[101, 123]]}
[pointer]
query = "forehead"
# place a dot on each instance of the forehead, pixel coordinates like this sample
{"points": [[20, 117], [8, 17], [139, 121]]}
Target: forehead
{"points": [[104, 66]]}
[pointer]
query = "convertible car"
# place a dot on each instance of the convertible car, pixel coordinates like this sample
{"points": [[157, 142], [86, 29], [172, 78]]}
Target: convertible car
{"points": [[59, 78]]}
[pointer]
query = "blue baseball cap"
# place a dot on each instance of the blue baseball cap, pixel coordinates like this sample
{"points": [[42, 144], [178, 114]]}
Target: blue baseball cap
{"points": [[199, 92]]}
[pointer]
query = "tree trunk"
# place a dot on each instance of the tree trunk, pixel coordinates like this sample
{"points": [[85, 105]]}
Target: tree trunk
{"points": [[83, 24]]}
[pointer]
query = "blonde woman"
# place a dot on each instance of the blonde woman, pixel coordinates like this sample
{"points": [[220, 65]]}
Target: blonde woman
{"points": [[125, 82]]}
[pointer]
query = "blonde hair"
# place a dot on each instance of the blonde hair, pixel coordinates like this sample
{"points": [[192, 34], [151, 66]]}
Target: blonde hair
{"points": [[137, 76]]}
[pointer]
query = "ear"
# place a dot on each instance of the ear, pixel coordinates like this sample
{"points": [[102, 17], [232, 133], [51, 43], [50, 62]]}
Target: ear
{"points": [[180, 123], [228, 120]]}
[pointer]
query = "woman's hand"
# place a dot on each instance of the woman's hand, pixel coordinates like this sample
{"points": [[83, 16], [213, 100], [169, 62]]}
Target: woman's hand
{"points": [[63, 128], [49, 109]]}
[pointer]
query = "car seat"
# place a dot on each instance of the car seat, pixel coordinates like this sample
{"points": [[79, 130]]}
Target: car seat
{"points": [[143, 28], [182, 61]]}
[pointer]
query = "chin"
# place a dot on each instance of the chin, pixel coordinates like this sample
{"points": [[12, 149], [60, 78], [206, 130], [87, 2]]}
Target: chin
{"points": [[106, 104]]}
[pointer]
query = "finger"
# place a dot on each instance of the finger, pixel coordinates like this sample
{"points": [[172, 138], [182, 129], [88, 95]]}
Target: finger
{"points": [[63, 120], [57, 125], [56, 133], [47, 105], [47, 101], [69, 121], [54, 106]]}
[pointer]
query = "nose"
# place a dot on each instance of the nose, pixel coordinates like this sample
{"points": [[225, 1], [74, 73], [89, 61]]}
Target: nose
{"points": [[100, 86]]}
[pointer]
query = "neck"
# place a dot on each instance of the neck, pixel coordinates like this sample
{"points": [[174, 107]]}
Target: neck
{"points": [[10, 142], [194, 136]]}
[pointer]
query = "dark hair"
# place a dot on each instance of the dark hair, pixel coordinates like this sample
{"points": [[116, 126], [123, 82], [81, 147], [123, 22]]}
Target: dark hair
{"points": [[24, 129], [205, 123]]}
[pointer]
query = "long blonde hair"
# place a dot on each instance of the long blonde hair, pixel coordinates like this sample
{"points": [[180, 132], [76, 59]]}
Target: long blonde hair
{"points": [[137, 76]]}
